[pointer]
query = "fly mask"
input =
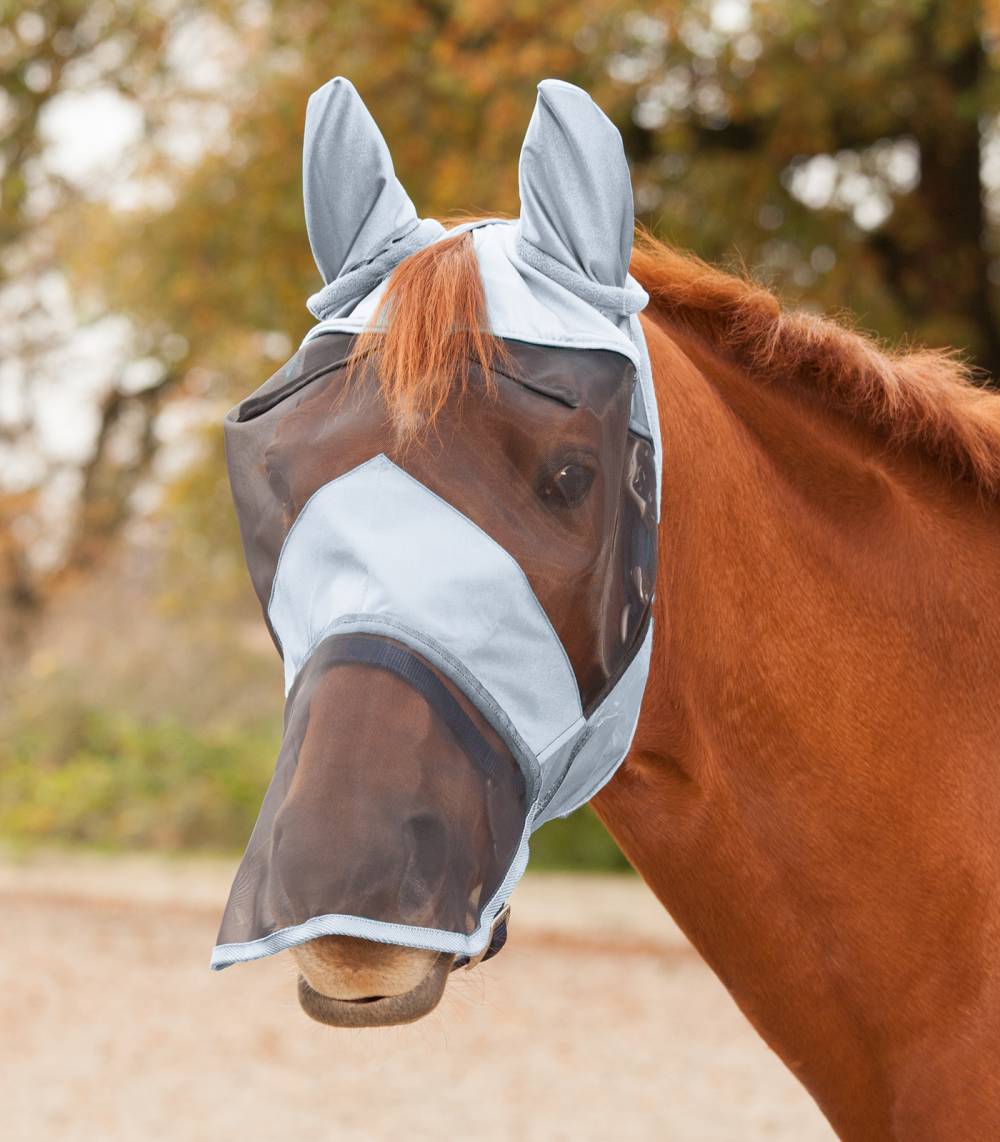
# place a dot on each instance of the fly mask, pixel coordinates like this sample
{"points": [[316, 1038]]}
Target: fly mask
{"points": [[465, 621]]}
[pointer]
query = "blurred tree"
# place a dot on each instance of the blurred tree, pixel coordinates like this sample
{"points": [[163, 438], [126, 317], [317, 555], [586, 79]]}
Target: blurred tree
{"points": [[49, 48], [224, 262], [848, 151], [52, 51], [202, 247]]}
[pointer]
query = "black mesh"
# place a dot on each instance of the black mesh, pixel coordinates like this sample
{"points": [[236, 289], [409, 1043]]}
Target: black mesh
{"points": [[392, 800], [497, 459]]}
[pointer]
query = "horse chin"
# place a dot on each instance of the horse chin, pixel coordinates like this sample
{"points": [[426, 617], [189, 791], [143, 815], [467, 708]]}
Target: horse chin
{"points": [[378, 1011]]}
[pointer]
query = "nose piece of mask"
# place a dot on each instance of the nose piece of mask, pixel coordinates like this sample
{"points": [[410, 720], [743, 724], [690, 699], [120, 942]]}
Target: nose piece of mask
{"points": [[395, 807]]}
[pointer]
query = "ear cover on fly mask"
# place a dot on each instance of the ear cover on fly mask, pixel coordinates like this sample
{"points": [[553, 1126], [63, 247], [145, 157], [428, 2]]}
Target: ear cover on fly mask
{"points": [[360, 220], [576, 226], [354, 204], [576, 194]]}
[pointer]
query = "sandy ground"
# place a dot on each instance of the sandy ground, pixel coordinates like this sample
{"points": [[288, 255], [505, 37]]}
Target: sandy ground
{"points": [[597, 1021]]}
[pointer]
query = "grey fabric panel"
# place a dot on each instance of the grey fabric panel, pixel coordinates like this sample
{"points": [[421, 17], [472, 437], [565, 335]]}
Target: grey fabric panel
{"points": [[376, 542], [354, 203], [576, 193], [577, 772]]}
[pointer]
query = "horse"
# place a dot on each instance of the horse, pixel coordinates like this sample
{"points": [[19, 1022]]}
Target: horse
{"points": [[813, 792], [812, 788]]}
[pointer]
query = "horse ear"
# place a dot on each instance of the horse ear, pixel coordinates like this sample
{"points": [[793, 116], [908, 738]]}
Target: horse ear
{"points": [[576, 193], [354, 203]]}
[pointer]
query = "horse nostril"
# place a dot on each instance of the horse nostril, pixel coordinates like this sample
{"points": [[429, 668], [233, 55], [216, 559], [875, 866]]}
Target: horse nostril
{"points": [[426, 863], [427, 833]]}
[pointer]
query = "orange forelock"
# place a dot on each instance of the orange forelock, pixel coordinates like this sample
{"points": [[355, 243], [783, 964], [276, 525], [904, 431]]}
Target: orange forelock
{"points": [[429, 331]]}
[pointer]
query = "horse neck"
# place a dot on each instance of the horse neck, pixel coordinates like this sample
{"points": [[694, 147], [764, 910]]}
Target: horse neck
{"points": [[812, 791]]}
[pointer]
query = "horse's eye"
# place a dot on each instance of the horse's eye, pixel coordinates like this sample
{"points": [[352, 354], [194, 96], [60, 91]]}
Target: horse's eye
{"points": [[568, 486]]}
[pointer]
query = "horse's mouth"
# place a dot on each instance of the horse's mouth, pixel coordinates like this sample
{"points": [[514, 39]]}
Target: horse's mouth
{"points": [[378, 1011]]}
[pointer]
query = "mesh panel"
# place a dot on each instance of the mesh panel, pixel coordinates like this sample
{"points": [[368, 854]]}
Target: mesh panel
{"points": [[392, 800], [546, 466]]}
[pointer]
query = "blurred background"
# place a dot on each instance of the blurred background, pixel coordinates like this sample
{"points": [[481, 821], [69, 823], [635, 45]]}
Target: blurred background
{"points": [[154, 268]]}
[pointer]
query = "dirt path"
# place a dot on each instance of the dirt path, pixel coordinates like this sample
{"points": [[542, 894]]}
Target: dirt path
{"points": [[596, 1022]]}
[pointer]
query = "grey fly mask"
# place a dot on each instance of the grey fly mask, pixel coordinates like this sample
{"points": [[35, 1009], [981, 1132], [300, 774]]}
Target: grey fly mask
{"points": [[465, 625]]}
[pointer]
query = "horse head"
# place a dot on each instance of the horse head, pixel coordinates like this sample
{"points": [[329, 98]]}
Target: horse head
{"points": [[448, 504]]}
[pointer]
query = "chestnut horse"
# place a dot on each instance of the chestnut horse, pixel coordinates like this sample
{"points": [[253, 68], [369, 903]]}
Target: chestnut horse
{"points": [[813, 791]]}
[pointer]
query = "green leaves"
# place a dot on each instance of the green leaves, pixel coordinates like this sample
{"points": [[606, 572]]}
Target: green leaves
{"points": [[107, 779]]}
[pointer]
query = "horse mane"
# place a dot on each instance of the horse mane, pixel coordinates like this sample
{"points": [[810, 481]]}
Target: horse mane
{"points": [[430, 330], [927, 398]]}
